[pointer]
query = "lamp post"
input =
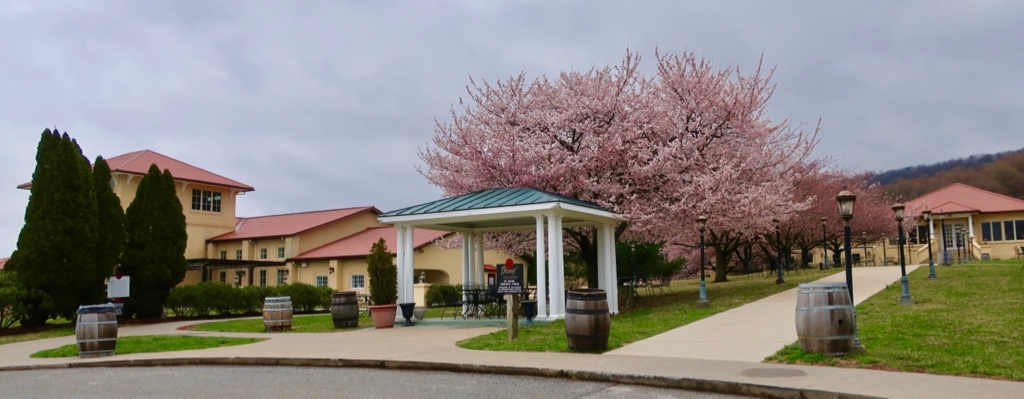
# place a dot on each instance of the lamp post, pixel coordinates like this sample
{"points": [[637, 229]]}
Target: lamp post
{"points": [[905, 298], [702, 302], [942, 232], [846, 201], [931, 262], [969, 247], [864, 241], [885, 260], [824, 243], [778, 240], [956, 242]]}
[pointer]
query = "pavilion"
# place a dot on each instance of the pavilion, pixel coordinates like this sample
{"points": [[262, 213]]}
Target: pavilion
{"points": [[510, 209]]}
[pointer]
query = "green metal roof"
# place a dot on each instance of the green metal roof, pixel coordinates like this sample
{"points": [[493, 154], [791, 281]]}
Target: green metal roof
{"points": [[491, 198]]}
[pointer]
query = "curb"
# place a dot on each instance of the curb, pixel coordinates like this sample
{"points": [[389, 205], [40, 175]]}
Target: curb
{"points": [[690, 384]]}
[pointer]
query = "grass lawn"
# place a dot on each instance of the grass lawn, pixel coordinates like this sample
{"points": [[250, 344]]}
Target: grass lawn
{"points": [[154, 343], [650, 315], [319, 323], [969, 321]]}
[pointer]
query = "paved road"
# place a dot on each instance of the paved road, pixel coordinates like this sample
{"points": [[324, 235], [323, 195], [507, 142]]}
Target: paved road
{"points": [[283, 382]]}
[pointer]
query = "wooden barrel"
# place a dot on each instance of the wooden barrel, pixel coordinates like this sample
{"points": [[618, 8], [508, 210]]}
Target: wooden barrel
{"points": [[586, 320], [345, 309], [96, 330], [825, 322], [277, 313]]}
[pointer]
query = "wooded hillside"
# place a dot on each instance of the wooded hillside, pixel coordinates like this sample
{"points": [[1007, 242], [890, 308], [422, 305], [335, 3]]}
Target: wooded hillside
{"points": [[1001, 173]]}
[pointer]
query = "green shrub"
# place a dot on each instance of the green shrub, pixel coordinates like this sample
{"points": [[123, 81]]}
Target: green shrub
{"points": [[12, 299], [436, 293], [253, 296], [306, 298], [185, 300], [383, 275], [221, 297]]}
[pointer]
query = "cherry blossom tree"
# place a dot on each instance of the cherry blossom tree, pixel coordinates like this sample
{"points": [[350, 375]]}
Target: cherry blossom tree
{"points": [[659, 150]]}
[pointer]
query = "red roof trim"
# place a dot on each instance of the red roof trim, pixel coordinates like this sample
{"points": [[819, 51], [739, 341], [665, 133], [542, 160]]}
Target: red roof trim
{"points": [[346, 248], [288, 224], [138, 162]]}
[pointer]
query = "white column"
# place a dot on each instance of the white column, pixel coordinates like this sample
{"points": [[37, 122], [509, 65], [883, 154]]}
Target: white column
{"points": [[481, 275], [410, 245], [542, 281], [552, 265], [612, 283], [472, 259], [602, 258], [558, 310], [400, 253], [467, 251]]}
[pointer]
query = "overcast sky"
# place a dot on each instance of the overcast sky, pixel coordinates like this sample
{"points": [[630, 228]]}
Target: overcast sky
{"points": [[322, 105]]}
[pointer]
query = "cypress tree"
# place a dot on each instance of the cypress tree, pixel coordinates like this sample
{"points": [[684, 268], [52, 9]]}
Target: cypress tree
{"points": [[110, 237], [154, 254], [56, 245]]}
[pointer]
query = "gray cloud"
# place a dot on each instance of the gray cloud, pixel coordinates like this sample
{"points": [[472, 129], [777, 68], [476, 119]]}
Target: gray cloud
{"points": [[322, 104]]}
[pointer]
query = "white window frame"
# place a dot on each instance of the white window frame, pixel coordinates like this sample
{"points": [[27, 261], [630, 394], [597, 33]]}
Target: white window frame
{"points": [[361, 281], [321, 281]]}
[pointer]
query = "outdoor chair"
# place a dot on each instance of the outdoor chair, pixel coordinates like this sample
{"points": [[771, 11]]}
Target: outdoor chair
{"points": [[1019, 250], [658, 283]]}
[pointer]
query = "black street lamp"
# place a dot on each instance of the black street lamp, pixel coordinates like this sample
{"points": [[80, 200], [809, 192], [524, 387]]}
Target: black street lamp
{"points": [[931, 262], [824, 243], [778, 239], [702, 302], [905, 298], [846, 201]]}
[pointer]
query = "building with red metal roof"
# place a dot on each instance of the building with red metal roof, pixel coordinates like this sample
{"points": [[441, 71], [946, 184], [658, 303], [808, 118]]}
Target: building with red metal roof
{"points": [[973, 222]]}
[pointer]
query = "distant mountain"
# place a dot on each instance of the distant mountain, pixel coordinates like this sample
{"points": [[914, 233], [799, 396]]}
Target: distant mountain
{"points": [[1001, 173]]}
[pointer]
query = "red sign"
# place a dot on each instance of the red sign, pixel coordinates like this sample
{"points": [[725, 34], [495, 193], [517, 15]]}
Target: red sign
{"points": [[509, 263]]}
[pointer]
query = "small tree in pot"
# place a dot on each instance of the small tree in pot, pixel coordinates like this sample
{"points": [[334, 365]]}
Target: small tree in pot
{"points": [[383, 285]]}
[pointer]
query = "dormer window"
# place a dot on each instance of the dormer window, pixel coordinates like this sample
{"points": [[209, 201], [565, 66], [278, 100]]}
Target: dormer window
{"points": [[206, 200]]}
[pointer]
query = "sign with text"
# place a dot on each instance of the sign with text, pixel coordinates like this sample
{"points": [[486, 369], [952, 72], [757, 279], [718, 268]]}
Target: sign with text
{"points": [[510, 278], [117, 286]]}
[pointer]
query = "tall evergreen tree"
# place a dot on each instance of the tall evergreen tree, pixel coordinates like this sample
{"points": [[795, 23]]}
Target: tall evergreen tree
{"points": [[110, 237], [55, 254], [154, 255]]}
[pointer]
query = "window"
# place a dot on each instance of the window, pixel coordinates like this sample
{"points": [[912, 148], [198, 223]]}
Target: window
{"points": [[205, 200], [282, 277], [263, 278], [263, 253], [280, 252], [238, 254], [358, 281], [1008, 229], [986, 231], [1020, 229], [223, 254], [321, 281], [922, 235], [223, 277]]}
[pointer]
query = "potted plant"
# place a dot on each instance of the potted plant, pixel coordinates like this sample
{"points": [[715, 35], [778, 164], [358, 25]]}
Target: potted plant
{"points": [[383, 285]]}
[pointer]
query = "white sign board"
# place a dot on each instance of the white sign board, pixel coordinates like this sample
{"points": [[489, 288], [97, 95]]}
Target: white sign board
{"points": [[117, 287]]}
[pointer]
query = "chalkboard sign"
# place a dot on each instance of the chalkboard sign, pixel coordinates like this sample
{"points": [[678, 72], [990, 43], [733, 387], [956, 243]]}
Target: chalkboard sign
{"points": [[510, 278]]}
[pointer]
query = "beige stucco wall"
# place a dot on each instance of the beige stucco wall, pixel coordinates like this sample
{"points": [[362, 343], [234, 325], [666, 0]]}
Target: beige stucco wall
{"points": [[200, 225]]}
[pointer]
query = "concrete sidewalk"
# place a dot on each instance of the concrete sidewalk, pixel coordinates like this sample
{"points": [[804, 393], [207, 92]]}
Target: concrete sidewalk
{"points": [[434, 348]]}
